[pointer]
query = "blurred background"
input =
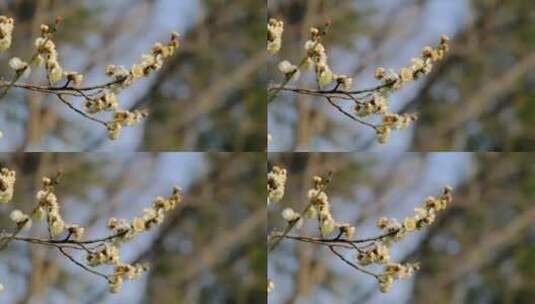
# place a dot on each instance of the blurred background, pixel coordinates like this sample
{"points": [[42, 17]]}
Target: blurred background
{"points": [[210, 96], [211, 249], [480, 98], [480, 250]]}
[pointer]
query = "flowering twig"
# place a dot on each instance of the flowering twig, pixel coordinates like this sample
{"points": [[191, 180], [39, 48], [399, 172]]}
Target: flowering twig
{"points": [[275, 30], [21, 68], [367, 102], [98, 251], [296, 221], [96, 98], [367, 250]]}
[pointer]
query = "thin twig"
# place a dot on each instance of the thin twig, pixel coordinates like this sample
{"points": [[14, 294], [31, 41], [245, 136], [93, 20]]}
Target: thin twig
{"points": [[355, 266], [332, 91], [337, 240], [68, 104], [82, 265], [347, 114]]}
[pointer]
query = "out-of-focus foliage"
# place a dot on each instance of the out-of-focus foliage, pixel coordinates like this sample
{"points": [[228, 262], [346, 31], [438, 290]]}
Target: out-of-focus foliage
{"points": [[483, 251], [222, 236], [482, 98], [221, 92]]}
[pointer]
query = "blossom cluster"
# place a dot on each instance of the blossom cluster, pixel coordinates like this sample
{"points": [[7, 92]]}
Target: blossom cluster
{"points": [[125, 231], [7, 184], [393, 81], [422, 217], [395, 271], [22, 220], [420, 66], [149, 63], [124, 272], [270, 286], [47, 54], [48, 208], [6, 31], [321, 208], [7, 25], [276, 184], [315, 57], [393, 121], [379, 252], [318, 207], [20, 66], [124, 78], [106, 250], [275, 28], [290, 71]]}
